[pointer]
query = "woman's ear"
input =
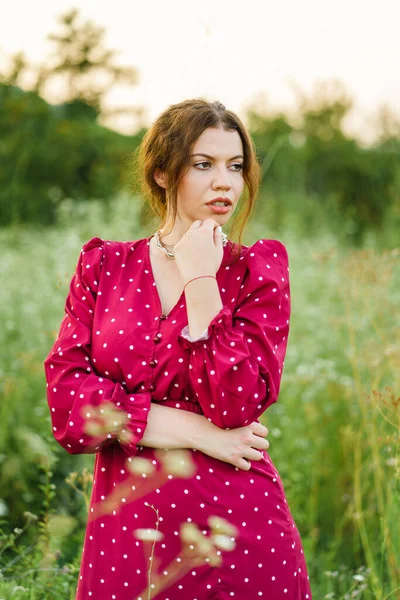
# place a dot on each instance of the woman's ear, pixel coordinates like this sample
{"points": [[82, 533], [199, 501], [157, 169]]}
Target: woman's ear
{"points": [[160, 178]]}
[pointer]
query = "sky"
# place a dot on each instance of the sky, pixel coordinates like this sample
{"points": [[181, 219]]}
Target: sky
{"points": [[234, 51]]}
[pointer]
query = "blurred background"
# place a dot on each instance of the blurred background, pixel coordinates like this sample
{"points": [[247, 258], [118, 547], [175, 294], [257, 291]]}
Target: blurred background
{"points": [[318, 87]]}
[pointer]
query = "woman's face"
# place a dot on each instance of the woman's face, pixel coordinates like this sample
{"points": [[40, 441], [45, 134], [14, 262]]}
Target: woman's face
{"points": [[215, 171]]}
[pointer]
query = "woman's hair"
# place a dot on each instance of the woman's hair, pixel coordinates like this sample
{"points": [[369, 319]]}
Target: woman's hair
{"points": [[167, 145]]}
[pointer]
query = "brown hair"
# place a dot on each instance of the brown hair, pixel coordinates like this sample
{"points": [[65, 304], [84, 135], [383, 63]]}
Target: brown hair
{"points": [[167, 146]]}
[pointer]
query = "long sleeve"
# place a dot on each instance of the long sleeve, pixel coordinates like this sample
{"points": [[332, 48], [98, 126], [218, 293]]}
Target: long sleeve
{"points": [[236, 372], [72, 382]]}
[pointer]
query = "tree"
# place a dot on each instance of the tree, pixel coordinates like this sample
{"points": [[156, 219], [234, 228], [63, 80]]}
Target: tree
{"points": [[81, 62]]}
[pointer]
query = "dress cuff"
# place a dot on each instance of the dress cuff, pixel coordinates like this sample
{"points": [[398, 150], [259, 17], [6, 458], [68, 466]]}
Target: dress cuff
{"points": [[221, 322], [185, 333], [137, 407]]}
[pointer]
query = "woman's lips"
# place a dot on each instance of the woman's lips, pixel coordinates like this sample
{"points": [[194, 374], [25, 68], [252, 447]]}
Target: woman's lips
{"points": [[219, 210]]}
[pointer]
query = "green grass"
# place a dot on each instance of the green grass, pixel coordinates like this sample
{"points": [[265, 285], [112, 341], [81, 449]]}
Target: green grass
{"points": [[334, 432]]}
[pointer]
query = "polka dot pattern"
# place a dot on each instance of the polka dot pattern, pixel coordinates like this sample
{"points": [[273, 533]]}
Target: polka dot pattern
{"points": [[115, 347], [257, 327]]}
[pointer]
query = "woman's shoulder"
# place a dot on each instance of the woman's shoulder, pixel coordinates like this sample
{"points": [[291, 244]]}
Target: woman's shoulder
{"points": [[94, 242], [265, 246], [268, 256], [261, 250], [110, 245], [99, 253]]}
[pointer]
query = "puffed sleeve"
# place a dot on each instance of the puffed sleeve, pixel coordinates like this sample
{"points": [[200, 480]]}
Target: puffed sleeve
{"points": [[236, 372], [72, 381]]}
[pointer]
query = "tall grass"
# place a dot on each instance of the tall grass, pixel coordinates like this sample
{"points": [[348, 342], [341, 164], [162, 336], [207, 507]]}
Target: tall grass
{"points": [[334, 432]]}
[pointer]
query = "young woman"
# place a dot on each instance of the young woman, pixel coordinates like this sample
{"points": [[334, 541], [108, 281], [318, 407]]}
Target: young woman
{"points": [[184, 334]]}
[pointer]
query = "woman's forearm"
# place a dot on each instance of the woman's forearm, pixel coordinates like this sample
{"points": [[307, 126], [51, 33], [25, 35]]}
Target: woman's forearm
{"points": [[170, 428]]}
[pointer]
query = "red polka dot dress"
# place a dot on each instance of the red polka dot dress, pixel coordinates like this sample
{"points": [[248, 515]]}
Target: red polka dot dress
{"points": [[115, 349]]}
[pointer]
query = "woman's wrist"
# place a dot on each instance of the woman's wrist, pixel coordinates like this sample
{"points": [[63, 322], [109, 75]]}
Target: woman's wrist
{"points": [[201, 432], [195, 279]]}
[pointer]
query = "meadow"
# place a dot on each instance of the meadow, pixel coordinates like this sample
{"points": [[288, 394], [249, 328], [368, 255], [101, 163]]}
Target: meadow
{"points": [[334, 432]]}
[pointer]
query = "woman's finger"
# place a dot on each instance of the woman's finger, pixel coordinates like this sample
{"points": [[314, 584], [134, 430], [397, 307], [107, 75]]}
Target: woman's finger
{"points": [[217, 235], [244, 464], [260, 442], [252, 454], [258, 428], [209, 223]]}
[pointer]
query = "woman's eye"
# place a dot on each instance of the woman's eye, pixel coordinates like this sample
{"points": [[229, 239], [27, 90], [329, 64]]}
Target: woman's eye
{"points": [[239, 166]]}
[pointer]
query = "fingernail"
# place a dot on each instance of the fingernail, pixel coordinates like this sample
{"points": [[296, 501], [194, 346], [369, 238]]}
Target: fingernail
{"points": [[219, 228]]}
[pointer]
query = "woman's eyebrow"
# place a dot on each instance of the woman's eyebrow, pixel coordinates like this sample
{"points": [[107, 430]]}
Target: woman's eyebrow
{"points": [[208, 156]]}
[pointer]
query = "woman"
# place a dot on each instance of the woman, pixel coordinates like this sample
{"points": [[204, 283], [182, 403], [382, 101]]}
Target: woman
{"points": [[185, 319]]}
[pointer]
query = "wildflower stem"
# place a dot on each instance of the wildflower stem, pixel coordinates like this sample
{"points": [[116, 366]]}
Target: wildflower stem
{"points": [[152, 550]]}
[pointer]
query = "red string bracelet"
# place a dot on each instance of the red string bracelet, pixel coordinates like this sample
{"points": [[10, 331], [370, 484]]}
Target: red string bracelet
{"points": [[197, 278]]}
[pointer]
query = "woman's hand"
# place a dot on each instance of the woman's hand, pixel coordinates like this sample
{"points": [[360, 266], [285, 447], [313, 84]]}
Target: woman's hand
{"points": [[200, 250], [236, 446]]}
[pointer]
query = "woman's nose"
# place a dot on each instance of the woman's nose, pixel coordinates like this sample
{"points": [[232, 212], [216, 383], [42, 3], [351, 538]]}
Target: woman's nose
{"points": [[222, 179]]}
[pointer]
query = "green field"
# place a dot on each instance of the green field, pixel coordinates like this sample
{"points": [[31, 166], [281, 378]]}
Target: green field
{"points": [[334, 433]]}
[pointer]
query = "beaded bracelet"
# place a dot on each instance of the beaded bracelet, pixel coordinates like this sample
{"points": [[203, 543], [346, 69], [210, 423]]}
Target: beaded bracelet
{"points": [[199, 277]]}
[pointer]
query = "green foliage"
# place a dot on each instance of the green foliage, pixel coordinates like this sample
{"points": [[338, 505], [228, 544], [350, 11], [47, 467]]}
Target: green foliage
{"points": [[52, 152], [29, 566], [49, 153], [80, 58], [312, 173], [355, 189], [337, 419]]}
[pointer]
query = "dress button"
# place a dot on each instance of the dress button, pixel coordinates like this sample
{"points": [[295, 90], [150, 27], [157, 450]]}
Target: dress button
{"points": [[162, 317], [156, 340], [152, 363], [152, 387]]}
